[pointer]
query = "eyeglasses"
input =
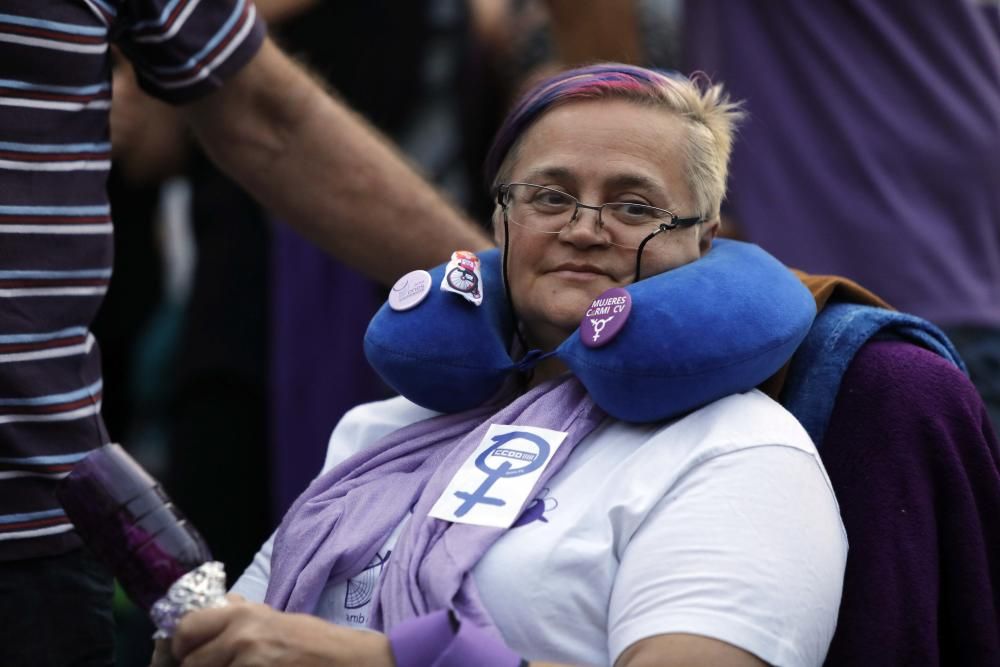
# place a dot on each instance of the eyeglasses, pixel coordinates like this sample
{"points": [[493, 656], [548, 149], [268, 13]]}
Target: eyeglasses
{"points": [[547, 210]]}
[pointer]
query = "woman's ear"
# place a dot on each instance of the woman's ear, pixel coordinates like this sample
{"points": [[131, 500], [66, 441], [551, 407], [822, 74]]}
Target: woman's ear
{"points": [[709, 230]]}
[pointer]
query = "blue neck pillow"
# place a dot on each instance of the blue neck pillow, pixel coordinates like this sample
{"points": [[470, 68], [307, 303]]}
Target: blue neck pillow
{"points": [[717, 326]]}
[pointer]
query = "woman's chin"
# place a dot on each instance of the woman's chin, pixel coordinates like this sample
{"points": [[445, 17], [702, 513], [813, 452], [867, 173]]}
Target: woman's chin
{"points": [[553, 311], [555, 326]]}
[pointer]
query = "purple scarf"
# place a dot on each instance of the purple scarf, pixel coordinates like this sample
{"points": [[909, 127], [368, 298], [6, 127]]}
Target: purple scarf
{"points": [[337, 525]]}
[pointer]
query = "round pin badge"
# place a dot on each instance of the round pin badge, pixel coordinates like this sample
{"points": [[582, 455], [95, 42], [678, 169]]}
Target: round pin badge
{"points": [[410, 290], [605, 317]]}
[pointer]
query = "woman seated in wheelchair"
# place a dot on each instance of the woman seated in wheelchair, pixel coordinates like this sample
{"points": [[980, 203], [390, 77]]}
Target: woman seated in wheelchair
{"points": [[579, 470]]}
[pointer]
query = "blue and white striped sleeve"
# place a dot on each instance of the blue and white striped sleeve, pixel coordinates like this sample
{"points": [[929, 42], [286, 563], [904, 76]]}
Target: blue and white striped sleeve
{"points": [[183, 49]]}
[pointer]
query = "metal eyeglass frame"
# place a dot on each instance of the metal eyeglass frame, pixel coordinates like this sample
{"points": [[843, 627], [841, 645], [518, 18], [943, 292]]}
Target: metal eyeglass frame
{"points": [[503, 189]]}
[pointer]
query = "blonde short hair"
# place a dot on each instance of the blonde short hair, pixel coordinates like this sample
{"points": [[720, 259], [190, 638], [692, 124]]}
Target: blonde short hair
{"points": [[710, 115]]}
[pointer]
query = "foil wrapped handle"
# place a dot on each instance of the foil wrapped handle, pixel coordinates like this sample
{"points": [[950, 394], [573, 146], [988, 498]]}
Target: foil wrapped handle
{"points": [[202, 588]]}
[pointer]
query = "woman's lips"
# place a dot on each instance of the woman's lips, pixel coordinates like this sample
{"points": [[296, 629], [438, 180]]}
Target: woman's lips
{"points": [[578, 274]]}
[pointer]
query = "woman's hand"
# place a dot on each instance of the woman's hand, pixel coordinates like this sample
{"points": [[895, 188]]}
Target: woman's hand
{"points": [[244, 634]]}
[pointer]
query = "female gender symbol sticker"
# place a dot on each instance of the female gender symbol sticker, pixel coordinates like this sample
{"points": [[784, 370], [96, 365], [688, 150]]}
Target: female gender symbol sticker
{"points": [[510, 461], [498, 478], [605, 317], [410, 290]]}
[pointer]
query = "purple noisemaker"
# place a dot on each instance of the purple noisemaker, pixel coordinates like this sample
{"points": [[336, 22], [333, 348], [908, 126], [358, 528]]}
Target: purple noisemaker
{"points": [[128, 521]]}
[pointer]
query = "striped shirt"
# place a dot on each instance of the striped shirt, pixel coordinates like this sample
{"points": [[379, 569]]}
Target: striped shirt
{"points": [[55, 220]]}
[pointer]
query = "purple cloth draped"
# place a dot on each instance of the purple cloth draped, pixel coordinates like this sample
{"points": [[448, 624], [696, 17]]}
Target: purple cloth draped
{"points": [[871, 146], [336, 526], [914, 463], [318, 315], [433, 639]]}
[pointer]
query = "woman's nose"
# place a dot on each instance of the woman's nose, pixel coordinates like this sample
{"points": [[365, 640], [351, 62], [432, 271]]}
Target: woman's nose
{"points": [[585, 228]]}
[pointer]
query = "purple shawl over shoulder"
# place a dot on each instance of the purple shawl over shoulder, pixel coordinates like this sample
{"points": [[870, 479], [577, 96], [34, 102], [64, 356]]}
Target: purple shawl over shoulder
{"points": [[336, 526], [914, 463]]}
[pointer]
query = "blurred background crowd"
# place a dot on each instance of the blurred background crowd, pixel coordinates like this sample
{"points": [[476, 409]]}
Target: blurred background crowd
{"points": [[232, 346]]}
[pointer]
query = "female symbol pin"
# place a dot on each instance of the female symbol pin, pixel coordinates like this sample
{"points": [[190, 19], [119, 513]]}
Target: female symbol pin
{"points": [[605, 317]]}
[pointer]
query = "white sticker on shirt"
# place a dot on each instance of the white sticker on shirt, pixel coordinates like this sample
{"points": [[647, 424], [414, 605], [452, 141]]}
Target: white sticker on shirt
{"points": [[496, 480], [349, 602]]}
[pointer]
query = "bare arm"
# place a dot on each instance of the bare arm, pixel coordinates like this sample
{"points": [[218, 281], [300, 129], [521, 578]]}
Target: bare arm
{"points": [[276, 11], [260, 635], [148, 139], [680, 650], [327, 172], [585, 32]]}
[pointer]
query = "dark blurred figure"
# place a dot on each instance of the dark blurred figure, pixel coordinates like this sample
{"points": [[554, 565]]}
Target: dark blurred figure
{"points": [[129, 304], [872, 149]]}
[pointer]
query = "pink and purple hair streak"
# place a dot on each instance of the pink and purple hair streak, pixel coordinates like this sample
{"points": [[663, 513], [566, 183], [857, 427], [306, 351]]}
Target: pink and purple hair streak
{"points": [[591, 82]]}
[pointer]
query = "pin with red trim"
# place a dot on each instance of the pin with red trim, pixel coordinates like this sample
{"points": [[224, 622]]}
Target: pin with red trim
{"points": [[462, 276]]}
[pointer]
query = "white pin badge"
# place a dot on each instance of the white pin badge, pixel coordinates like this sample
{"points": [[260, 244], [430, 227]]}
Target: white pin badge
{"points": [[410, 290]]}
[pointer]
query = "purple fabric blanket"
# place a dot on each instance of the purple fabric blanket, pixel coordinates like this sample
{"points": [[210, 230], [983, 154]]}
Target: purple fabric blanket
{"points": [[914, 463]]}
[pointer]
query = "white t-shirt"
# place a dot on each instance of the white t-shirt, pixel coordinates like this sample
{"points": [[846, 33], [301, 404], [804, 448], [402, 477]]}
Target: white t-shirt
{"points": [[722, 523]]}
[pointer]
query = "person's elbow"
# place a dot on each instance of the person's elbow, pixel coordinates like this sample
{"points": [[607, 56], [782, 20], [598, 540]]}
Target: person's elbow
{"points": [[250, 120]]}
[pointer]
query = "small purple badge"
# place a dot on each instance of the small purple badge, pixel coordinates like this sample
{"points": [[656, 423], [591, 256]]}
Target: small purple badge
{"points": [[605, 317], [410, 290]]}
